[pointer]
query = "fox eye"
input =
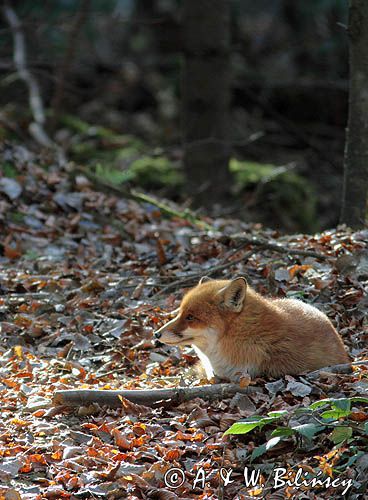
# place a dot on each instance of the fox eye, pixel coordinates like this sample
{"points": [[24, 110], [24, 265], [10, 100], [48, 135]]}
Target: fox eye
{"points": [[190, 317]]}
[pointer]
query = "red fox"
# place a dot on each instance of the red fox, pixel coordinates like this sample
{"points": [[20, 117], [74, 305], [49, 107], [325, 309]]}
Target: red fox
{"points": [[236, 332]]}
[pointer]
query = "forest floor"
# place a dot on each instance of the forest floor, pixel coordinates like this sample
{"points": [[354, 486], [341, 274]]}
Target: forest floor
{"points": [[85, 279]]}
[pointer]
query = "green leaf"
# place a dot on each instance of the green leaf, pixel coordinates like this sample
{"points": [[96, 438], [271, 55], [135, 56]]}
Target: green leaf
{"points": [[303, 411], [271, 443], [335, 414], [257, 452], [253, 418], [341, 434], [341, 404], [366, 427], [267, 420], [241, 428], [282, 432], [359, 399], [261, 450], [251, 423], [277, 414], [308, 430], [318, 404]]}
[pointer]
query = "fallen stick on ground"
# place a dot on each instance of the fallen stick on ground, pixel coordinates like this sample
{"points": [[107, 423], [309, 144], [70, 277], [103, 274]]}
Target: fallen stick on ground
{"points": [[242, 238], [245, 241], [193, 278], [175, 395], [132, 194], [344, 368], [148, 397]]}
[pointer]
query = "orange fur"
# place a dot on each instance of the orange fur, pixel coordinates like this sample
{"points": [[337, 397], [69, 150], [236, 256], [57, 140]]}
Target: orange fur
{"points": [[236, 331]]}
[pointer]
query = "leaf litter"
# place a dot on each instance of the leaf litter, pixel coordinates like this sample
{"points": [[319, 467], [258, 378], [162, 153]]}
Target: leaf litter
{"points": [[86, 278]]}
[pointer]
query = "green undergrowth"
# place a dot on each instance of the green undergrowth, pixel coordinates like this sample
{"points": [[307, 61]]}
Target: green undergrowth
{"points": [[8, 170], [279, 192], [121, 158], [330, 416]]}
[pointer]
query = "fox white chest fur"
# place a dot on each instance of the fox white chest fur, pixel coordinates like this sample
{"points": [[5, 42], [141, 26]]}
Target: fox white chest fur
{"points": [[212, 359]]}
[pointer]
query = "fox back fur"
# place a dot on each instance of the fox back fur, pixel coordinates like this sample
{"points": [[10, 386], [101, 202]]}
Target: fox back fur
{"points": [[236, 332]]}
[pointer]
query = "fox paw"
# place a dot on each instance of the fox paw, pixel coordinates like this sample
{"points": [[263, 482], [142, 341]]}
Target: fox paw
{"points": [[243, 380]]}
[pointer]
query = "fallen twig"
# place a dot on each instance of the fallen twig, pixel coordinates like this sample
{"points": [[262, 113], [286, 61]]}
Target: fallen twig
{"points": [[344, 368], [176, 395], [245, 241], [185, 214], [279, 248], [193, 278], [148, 397], [141, 197]]}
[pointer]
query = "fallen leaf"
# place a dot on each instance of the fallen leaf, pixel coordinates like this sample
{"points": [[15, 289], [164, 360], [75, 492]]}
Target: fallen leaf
{"points": [[10, 187]]}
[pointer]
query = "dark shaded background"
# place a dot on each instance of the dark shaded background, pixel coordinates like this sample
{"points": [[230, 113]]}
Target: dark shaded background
{"points": [[121, 63]]}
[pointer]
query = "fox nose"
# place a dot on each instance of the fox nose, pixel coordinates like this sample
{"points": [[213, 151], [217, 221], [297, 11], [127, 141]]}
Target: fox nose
{"points": [[157, 335]]}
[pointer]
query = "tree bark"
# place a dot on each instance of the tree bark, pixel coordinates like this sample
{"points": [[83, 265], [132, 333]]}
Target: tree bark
{"points": [[355, 190], [206, 98]]}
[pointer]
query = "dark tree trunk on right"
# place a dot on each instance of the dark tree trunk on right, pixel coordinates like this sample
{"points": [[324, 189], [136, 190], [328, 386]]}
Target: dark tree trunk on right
{"points": [[206, 96], [354, 203]]}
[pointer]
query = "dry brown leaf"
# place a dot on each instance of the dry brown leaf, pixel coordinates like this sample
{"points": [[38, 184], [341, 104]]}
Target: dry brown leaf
{"points": [[133, 408], [121, 440]]}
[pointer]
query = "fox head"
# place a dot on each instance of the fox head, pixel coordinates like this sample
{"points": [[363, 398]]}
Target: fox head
{"points": [[205, 313]]}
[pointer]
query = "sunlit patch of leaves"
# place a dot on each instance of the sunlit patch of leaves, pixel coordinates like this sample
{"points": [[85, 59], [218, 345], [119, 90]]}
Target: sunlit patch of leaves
{"points": [[80, 270]]}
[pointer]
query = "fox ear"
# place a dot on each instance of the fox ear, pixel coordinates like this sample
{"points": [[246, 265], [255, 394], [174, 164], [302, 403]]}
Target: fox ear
{"points": [[233, 294], [204, 279]]}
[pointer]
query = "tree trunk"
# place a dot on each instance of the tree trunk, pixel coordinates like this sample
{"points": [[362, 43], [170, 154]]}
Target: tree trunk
{"points": [[355, 191], [206, 96]]}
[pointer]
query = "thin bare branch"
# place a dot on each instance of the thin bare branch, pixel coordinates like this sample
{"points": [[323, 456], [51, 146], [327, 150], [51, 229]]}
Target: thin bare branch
{"points": [[193, 278], [242, 238], [35, 100], [36, 128]]}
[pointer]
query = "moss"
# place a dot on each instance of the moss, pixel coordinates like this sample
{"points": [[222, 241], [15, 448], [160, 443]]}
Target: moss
{"points": [[8, 169], [112, 175], [119, 158], [247, 172], [145, 171], [294, 199], [281, 192], [156, 172], [96, 144], [282, 195], [16, 217], [77, 125]]}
